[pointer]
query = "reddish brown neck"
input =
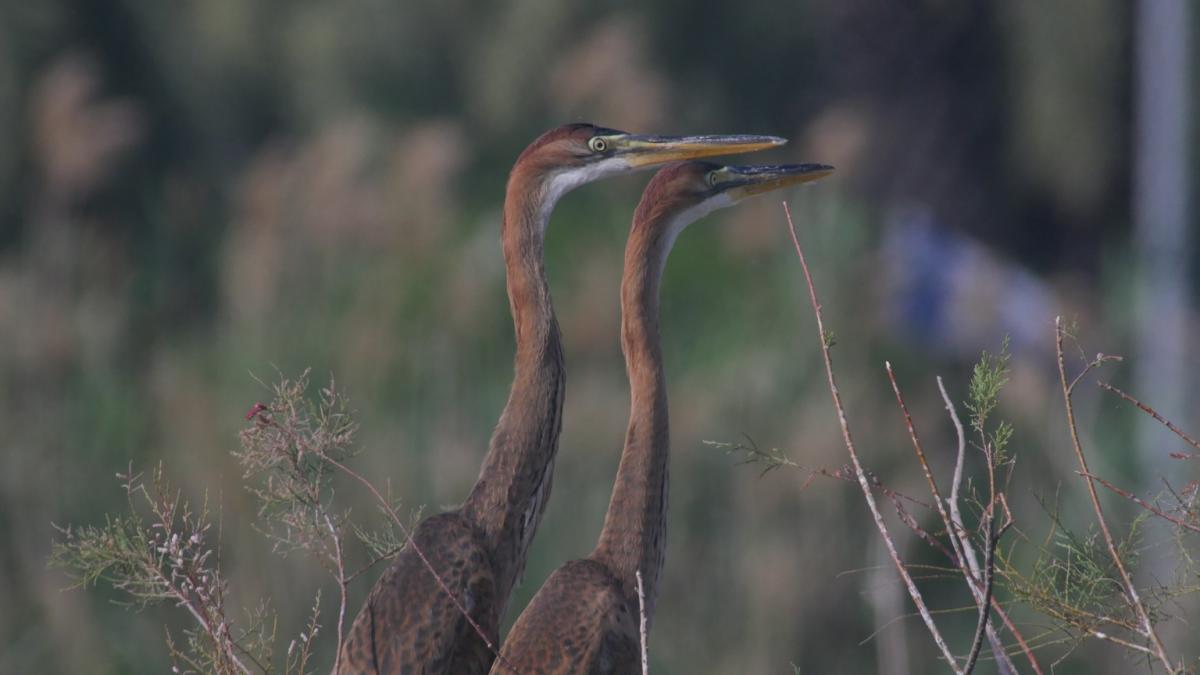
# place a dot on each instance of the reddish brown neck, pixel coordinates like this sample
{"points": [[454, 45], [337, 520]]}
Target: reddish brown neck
{"points": [[510, 495], [634, 534]]}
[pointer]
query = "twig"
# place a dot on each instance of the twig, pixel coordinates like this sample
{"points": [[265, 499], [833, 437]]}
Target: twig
{"points": [[1131, 593], [373, 562], [922, 534], [858, 470], [219, 634], [428, 565], [991, 538], [982, 625], [959, 530], [982, 598], [959, 533], [182, 582], [1141, 502], [1012, 628], [642, 626], [989, 575], [933, 488], [1153, 413], [1192, 489], [1124, 643], [342, 583], [211, 604]]}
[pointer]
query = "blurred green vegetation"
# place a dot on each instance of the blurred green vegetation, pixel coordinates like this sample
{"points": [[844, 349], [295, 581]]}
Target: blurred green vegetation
{"points": [[196, 193]]}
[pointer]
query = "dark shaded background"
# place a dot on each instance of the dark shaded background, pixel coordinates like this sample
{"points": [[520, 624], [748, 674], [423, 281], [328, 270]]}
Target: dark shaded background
{"points": [[195, 192]]}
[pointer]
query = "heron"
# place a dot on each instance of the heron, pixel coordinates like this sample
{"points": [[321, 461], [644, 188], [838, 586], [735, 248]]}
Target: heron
{"points": [[410, 623], [586, 618]]}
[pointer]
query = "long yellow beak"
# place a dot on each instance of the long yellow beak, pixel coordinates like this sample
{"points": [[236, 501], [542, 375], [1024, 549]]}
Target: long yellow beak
{"points": [[745, 181], [643, 151]]}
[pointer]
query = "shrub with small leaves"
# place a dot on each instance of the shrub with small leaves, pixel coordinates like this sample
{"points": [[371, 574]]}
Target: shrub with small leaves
{"points": [[286, 455], [988, 378], [160, 551]]}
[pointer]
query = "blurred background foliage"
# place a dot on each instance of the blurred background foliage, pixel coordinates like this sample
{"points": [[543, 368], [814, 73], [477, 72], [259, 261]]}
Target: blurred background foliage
{"points": [[196, 193]]}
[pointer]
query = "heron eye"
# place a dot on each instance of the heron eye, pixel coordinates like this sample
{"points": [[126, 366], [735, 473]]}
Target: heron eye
{"points": [[598, 144], [711, 178]]}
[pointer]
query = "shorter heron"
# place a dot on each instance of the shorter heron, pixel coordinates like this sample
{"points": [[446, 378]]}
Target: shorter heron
{"points": [[584, 619]]}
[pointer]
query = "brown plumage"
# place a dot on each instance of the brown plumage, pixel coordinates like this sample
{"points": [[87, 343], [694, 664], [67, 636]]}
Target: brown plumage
{"points": [[409, 624], [584, 619]]}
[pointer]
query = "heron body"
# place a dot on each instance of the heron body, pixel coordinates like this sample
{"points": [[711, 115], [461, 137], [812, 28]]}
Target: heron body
{"points": [[409, 624], [585, 618]]}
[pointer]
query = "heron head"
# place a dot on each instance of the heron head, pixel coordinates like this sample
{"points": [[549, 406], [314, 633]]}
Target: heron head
{"points": [[682, 193], [575, 154]]}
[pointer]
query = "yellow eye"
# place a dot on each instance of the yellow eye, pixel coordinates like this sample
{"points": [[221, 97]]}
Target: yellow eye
{"points": [[711, 178], [597, 144]]}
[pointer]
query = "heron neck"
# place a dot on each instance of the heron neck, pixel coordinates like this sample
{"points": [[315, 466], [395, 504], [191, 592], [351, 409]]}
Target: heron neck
{"points": [[510, 495], [634, 535]]}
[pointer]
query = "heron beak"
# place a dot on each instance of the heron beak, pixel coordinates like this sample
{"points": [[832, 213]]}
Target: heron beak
{"points": [[646, 151], [740, 182]]}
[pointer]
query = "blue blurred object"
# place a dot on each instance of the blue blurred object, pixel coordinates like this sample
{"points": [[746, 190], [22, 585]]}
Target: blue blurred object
{"points": [[953, 295]]}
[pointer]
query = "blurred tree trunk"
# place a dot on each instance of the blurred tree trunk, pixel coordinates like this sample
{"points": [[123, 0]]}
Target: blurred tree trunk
{"points": [[1161, 233]]}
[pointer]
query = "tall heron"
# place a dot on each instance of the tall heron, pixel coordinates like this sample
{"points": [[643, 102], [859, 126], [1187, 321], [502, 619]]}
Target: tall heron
{"points": [[409, 623], [584, 619]]}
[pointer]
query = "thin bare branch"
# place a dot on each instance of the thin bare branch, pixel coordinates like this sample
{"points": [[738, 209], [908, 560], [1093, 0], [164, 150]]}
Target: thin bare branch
{"points": [[991, 538], [375, 560], [1131, 594], [982, 598], [642, 625], [1153, 413], [956, 482], [343, 582], [858, 470], [1141, 502], [1020, 639], [989, 576], [916, 441], [218, 634], [957, 532], [424, 560]]}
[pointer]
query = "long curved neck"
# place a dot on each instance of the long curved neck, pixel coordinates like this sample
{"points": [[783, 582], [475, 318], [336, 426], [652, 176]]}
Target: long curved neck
{"points": [[634, 534], [510, 495]]}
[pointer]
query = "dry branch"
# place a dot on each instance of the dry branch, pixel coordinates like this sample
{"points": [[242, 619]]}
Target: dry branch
{"points": [[1142, 503], [642, 632], [981, 590], [1131, 594], [958, 532], [1153, 413], [863, 483]]}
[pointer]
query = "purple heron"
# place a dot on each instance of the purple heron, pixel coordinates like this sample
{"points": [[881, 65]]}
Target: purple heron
{"points": [[409, 623]]}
